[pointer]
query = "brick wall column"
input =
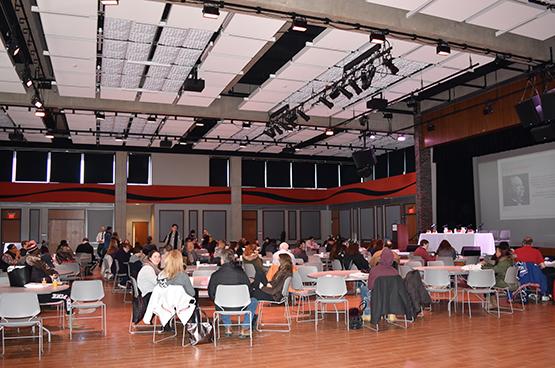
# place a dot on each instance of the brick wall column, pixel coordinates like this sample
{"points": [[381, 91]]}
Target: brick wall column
{"points": [[423, 158]]}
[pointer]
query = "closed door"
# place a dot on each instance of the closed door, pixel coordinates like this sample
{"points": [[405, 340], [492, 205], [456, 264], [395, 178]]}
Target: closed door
{"points": [[65, 225], [250, 225], [140, 232]]}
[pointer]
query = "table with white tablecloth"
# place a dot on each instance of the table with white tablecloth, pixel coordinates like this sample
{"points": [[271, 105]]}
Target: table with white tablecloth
{"points": [[458, 240]]}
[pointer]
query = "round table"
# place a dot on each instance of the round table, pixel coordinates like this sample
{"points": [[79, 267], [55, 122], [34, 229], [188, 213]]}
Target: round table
{"points": [[348, 275], [40, 290], [200, 282]]}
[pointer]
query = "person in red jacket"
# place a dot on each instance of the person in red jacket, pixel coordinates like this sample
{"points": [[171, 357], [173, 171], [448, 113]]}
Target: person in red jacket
{"points": [[528, 254], [422, 251]]}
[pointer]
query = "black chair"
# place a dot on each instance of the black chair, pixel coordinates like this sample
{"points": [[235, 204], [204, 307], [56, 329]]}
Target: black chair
{"points": [[471, 251]]}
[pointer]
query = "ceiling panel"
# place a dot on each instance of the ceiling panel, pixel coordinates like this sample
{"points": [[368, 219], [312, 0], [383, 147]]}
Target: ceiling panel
{"points": [[192, 17], [83, 139], [540, 29], [158, 97], [224, 130], [320, 57], [272, 149], [300, 72], [407, 85], [302, 135], [69, 47], [37, 137], [243, 24], [224, 63], [427, 54], [256, 106], [456, 10], [241, 46], [337, 39], [206, 145], [264, 95], [81, 122], [76, 91], [505, 15], [463, 60], [436, 73], [251, 147], [11, 87], [228, 147], [143, 11], [117, 94], [401, 4], [25, 118], [137, 142], [401, 47], [176, 127]]}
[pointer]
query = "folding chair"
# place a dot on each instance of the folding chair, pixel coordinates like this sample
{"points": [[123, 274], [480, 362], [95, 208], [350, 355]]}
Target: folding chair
{"points": [[481, 282], [87, 294], [303, 294], [285, 301], [437, 282], [228, 298], [331, 290]]}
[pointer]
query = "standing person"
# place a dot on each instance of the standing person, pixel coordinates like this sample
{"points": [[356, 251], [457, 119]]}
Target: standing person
{"points": [[174, 238], [205, 238], [230, 274], [102, 249], [265, 247], [100, 235]]}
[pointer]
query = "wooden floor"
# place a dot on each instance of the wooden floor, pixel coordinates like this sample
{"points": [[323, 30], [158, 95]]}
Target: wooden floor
{"points": [[525, 339]]}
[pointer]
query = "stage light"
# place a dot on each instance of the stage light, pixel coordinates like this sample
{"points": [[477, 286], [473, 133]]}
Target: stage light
{"points": [[13, 47], [443, 48], [37, 102], [389, 65], [49, 135], [247, 125], [303, 115], [334, 93], [329, 132], [345, 92], [40, 113], [100, 115], [326, 102], [377, 37], [210, 11], [270, 132], [299, 24], [401, 138], [151, 119], [109, 2], [366, 78], [355, 87]]}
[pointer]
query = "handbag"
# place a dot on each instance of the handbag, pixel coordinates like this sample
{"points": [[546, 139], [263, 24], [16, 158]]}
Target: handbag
{"points": [[18, 276], [355, 319], [199, 332]]}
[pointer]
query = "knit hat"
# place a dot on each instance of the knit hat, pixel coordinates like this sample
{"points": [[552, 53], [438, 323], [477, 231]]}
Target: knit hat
{"points": [[32, 249]]}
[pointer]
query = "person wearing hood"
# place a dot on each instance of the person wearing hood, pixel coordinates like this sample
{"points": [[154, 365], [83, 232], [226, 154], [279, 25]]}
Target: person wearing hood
{"points": [[383, 268]]}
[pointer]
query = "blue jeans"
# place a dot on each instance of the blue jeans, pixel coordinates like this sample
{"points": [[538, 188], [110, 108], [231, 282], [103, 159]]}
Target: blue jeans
{"points": [[251, 307], [365, 296]]}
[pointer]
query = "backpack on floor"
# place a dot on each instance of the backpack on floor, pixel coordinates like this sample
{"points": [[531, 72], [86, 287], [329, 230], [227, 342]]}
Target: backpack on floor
{"points": [[355, 319]]}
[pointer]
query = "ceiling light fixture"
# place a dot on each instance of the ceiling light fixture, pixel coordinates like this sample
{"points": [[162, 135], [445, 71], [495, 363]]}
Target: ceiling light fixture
{"points": [[210, 11], [366, 78], [299, 24], [401, 138], [389, 65], [199, 123], [100, 115], [40, 113], [377, 37], [13, 47], [345, 92], [326, 102], [119, 138], [109, 2], [151, 119], [247, 125], [334, 93], [242, 145], [354, 85], [372, 136], [443, 48], [37, 102], [49, 135], [303, 115], [329, 132]]}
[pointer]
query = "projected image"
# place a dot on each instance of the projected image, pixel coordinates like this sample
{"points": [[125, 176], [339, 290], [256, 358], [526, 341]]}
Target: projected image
{"points": [[516, 190]]}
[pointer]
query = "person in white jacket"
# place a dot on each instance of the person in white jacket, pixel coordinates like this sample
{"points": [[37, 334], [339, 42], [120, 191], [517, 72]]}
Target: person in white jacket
{"points": [[148, 274], [168, 301], [283, 248]]}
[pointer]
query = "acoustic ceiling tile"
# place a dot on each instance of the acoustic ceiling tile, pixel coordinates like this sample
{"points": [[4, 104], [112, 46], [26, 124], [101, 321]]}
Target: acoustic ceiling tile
{"points": [[158, 97], [505, 15], [456, 10], [320, 57], [243, 25], [143, 11], [540, 29], [192, 17]]}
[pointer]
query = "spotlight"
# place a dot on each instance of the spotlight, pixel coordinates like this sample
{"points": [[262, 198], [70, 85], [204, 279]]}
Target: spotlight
{"points": [[303, 115], [13, 47], [345, 92], [299, 24], [401, 138], [329, 132], [49, 135], [443, 48], [210, 11], [389, 65], [151, 119], [355, 87], [242, 144], [27, 79], [270, 132], [366, 78], [278, 130], [100, 115], [109, 2], [199, 123], [247, 125], [377, 37], [334, 93], [40, 113], [372, 136], [326, 102], [37, 102], [120, 138]]}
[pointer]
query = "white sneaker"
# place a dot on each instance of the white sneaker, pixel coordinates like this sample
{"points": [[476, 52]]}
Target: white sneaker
{"points": [[545, 298]]}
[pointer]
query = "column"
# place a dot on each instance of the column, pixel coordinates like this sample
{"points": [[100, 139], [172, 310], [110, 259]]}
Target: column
{"points": [[236, 230], [423, 160], [120, 200]]}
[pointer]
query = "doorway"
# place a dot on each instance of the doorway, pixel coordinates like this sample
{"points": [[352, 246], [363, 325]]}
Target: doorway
{"points": [[250, 224], [140, 232]]}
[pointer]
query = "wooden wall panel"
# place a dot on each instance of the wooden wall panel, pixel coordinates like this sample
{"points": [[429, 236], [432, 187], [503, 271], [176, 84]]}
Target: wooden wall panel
{"points": [[466, 118]]}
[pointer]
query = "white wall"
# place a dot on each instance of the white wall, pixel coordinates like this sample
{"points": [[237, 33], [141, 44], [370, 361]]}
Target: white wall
{"points": [[176, 169]]}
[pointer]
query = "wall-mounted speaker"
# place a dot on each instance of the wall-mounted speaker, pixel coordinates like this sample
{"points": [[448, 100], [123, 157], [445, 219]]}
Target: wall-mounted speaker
{"points": [[364, 161]]}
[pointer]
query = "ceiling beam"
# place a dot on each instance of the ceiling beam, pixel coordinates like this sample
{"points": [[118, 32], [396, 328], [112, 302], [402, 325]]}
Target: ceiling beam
{"points": [[394, 19]]}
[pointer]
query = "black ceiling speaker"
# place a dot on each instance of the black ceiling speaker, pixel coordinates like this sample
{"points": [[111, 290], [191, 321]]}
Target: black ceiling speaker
{"points": [[377, 104], [543, 133], [364, 161], [528, 114], [548, 106]]}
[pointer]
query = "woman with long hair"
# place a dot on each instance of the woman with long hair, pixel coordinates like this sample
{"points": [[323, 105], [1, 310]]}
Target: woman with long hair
{"points": [[273, 289], [503, 260], [174, 272], [250, 255], [446, 250], [148, 274], [354, 257]]}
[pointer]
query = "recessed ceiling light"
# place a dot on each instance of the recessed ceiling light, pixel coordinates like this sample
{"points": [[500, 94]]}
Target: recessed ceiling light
{"points": [[109, 2], [329, 132], [443, 48], [401, 138], [40, 113], [377, 37], [299, 24], [49, 135]]}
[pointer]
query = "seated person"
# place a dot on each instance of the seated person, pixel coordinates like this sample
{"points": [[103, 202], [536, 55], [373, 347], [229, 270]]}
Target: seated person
{"points": [[189, 253], [64, 254], [174, 273], [85, 247], [503, 260], [446, 250], [147, 279], [39, 269], [230, 274], [283, 249], [272, 290], [354, 257], [422, 251], [383, 268], [250, 255], [376, 256], [528, 254], [122, 255], [11, 258], [299, 251]]}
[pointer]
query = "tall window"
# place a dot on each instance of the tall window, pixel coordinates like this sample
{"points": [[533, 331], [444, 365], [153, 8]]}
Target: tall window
{"points": [[219, 172], [138, 169]]}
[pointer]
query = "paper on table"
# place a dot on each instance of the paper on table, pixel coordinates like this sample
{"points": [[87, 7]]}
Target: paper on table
{"points": [[36, 285]]}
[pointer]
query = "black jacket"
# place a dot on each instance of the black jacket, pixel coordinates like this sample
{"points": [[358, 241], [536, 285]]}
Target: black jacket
{"points": [[228, 274], [358, 260], [389, 296], [417, 292], [85, 248]]}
